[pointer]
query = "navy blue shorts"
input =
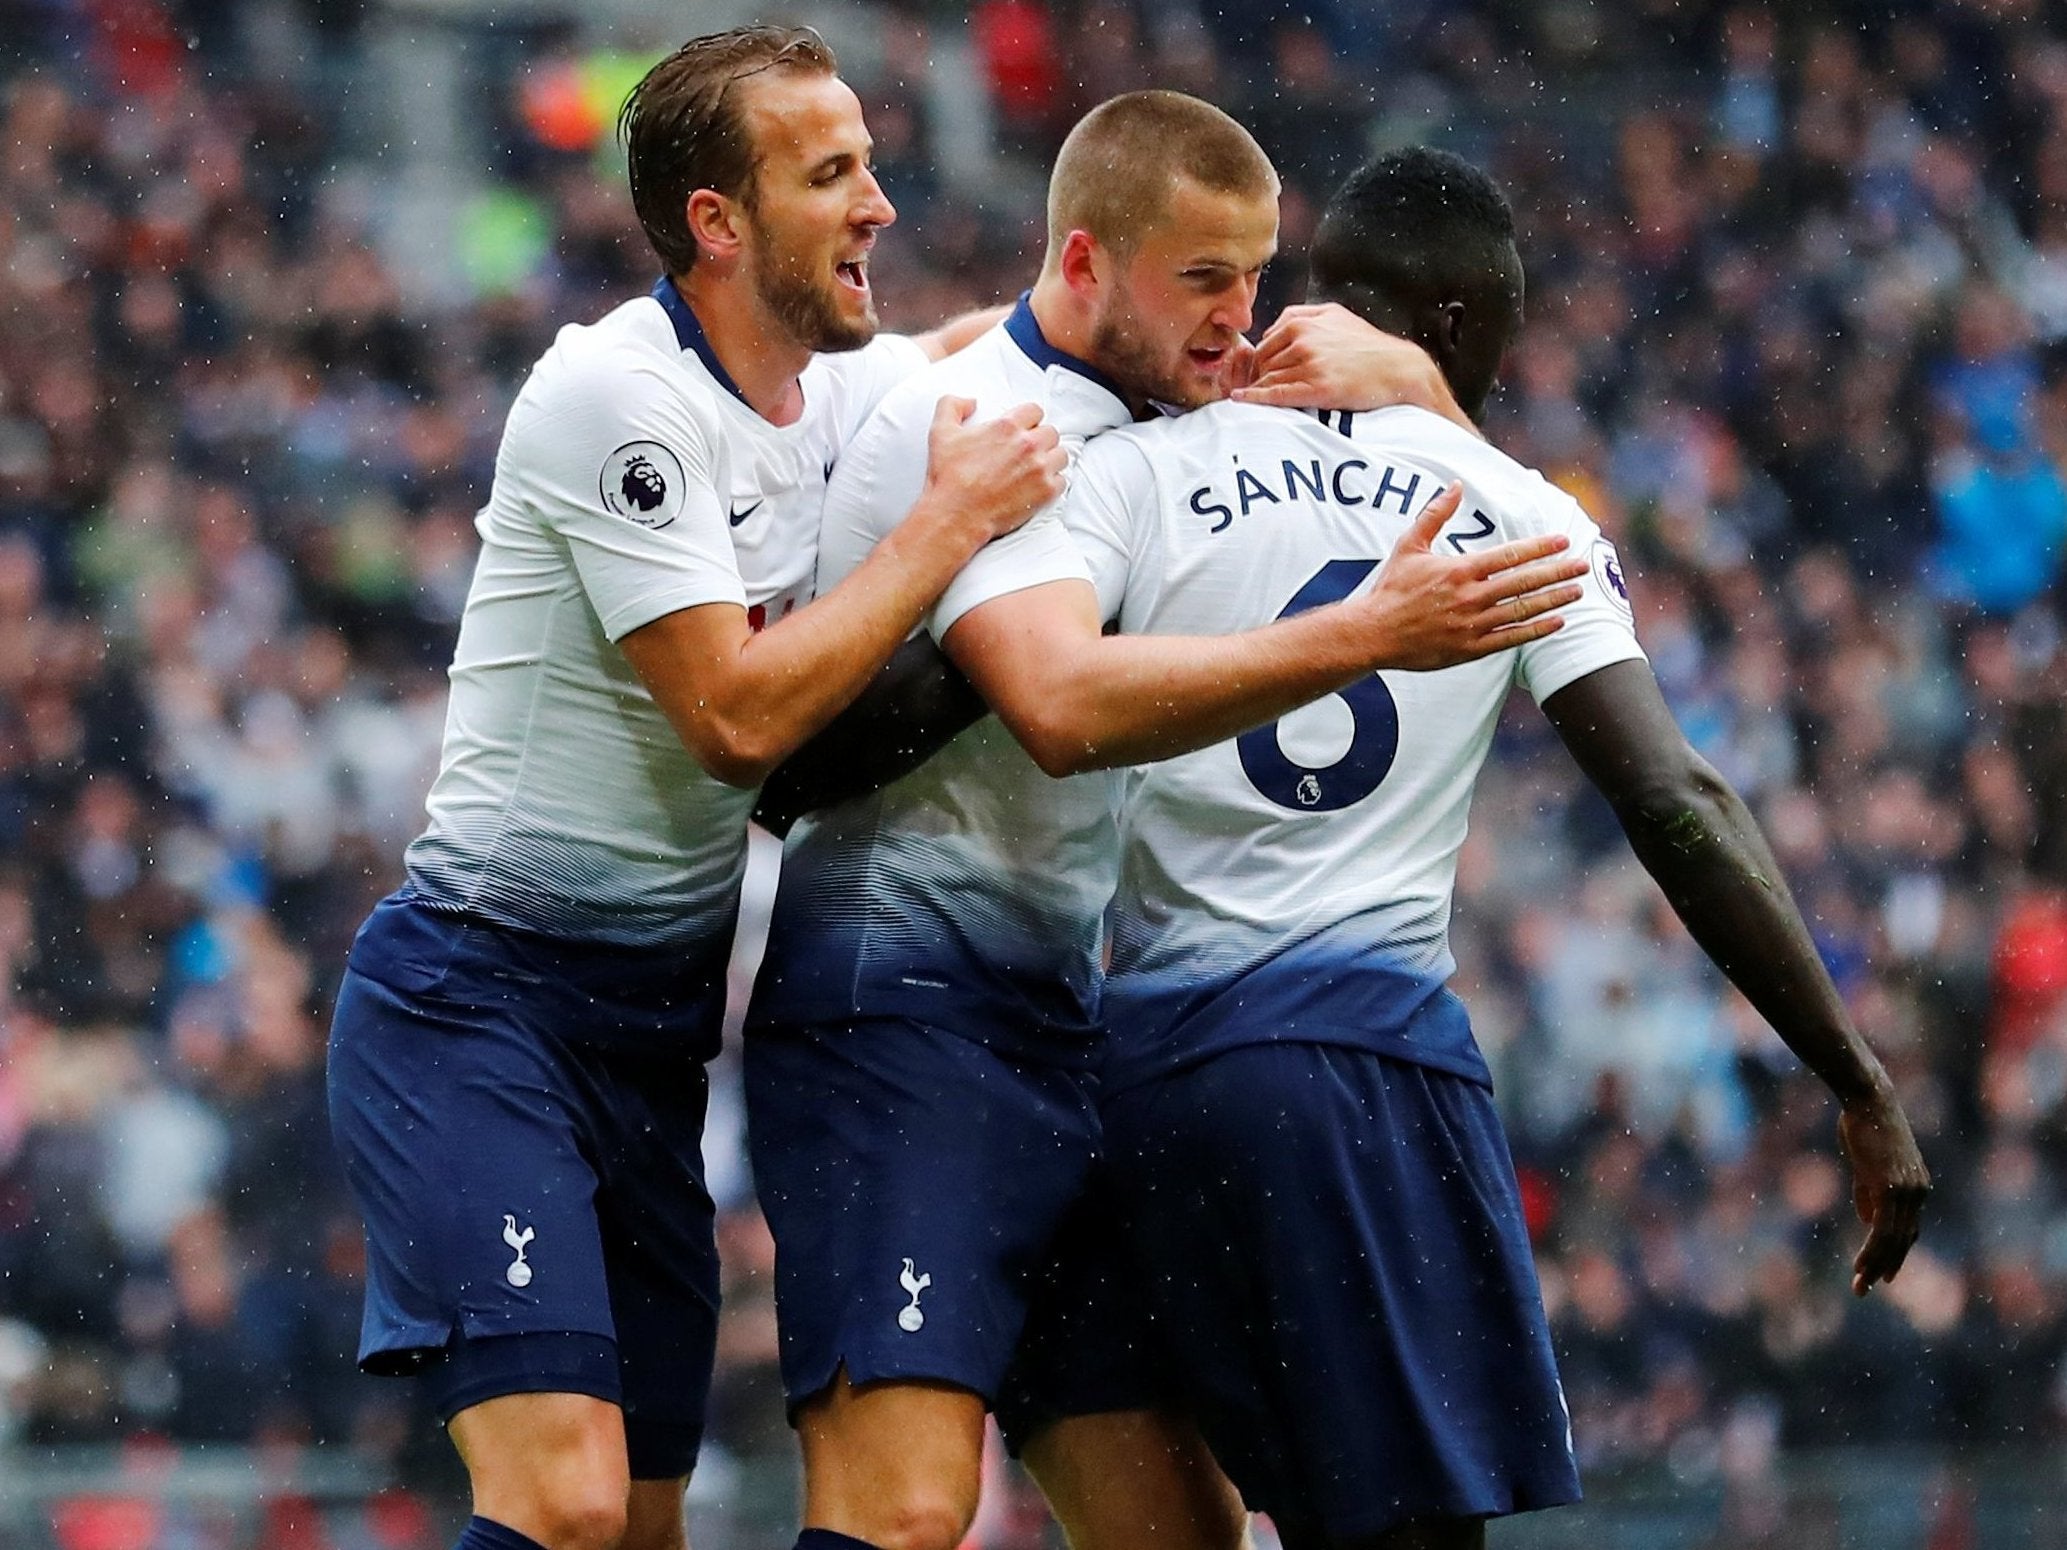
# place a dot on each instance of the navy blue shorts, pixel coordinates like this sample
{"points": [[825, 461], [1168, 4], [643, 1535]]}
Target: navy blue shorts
{"points": [[914, 1181], [1337, 1261], [1089, 1345], [524, 1141]]}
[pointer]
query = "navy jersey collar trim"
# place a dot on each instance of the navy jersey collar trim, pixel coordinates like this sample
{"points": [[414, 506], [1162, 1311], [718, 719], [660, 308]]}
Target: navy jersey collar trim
{"points": [[689, 334], [1025, 331]]}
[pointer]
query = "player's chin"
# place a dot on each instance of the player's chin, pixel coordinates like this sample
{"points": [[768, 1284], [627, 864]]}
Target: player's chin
{"points": [[1201, 380], [848, 325]]}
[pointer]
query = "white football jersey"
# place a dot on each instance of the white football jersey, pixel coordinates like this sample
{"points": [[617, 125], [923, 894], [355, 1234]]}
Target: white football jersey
{"points": [[632, 480], [1295, 882], [972, 892]]}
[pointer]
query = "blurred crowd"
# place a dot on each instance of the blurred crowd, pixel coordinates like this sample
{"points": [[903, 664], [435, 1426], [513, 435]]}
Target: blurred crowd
{"points": [[1797, 336]]}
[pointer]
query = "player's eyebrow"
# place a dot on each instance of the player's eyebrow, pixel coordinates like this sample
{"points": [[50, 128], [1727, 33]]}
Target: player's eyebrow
{"points": [[840, 161], [1227, 266]]}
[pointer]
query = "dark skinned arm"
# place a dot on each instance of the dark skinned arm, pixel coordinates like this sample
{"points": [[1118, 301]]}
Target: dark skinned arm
{"points": [[1695, 836], [913, 708]]}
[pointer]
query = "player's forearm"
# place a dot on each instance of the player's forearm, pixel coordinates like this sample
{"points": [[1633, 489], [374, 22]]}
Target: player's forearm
{"points": [[909, 711], [1694, 835], [1701, 844], [1134, 699], [793, 678]]}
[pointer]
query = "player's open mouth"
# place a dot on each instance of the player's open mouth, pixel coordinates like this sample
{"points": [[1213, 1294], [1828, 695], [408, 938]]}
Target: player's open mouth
{"points": [[1208, 360], [854, 275]]}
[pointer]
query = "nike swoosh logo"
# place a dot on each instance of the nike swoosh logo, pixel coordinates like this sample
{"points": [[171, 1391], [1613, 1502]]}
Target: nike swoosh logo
{"points": [[740, 516]]}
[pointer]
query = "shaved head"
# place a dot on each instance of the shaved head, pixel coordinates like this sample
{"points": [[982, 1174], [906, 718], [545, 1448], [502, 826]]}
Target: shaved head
{"points": [[1118, 170]]}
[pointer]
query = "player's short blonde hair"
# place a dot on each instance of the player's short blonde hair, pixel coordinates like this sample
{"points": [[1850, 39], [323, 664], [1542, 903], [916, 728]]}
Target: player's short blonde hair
{"points": [[1115, 173]]}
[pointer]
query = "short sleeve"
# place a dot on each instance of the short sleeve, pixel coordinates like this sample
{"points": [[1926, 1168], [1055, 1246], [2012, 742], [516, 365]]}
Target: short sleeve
{"points": [[1029, 556], [1107, 510], [1600, 628], [623, 468]]}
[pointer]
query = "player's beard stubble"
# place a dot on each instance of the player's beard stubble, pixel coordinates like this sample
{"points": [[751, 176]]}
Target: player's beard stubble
{"points": [[808, 310], [1147, 371]]}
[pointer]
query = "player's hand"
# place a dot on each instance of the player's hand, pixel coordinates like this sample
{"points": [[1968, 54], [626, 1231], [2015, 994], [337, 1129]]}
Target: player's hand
{"points": [[1326, 357], [1435, 609], [993, 474], [1889, 1185]]}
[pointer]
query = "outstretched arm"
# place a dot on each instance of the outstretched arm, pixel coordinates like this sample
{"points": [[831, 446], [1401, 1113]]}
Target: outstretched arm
{"points": [[1696, 837], [915, 707], [1078, 699]]}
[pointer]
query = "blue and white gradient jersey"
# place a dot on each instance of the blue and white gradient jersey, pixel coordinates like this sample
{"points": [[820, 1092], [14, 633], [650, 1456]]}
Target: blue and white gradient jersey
{"points": [[633, 480], [1294, 883], [971, 894]]}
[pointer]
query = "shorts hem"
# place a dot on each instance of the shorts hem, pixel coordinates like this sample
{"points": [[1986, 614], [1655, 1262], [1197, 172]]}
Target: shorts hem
{"points": [[661, 1450], [864, 1372], [470, 1371]]}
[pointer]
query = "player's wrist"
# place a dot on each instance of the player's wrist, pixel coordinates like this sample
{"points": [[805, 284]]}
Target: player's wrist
{"points": [[1870, 1090], [937, 533], [1379, 636]]}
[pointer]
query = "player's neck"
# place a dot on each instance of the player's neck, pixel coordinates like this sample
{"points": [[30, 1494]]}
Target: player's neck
{"points": [[1065, 322], [759, 356]]}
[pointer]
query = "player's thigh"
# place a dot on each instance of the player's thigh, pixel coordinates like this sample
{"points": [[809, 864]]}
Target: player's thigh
{"points": [[914, 1181], [550, 1466], [1339, 1262], [1090, 1405], [1125, 1479], [898, 1465]]}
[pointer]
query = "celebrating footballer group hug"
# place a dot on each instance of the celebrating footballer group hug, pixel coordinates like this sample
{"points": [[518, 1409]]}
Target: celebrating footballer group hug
{"points": [[1121, 686]]}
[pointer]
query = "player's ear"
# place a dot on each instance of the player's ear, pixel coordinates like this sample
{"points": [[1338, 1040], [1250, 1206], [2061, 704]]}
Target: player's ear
{"points": [[715, 224], [1450, 327], [1084, 264]]}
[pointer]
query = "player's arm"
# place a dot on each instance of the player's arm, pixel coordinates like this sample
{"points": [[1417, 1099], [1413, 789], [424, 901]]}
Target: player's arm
{"points": [[1696, 837], [1323, 356], [959, 333], [912, 709], [743, 701], [1078, 699]]}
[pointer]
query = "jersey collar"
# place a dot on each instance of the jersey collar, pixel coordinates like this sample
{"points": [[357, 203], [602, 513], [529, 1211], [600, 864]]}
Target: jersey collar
{"points": [[1025, 330], [689, 335]]}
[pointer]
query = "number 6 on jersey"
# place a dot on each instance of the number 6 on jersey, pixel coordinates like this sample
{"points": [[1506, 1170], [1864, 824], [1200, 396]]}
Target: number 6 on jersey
{"points": [[1373, 744]]}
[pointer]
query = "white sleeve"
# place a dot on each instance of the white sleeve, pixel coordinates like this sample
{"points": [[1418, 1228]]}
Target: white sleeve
{"points": [[1600, 629], [1108, 509], [623, 468], [1029, 556], [861, 378], [874, 486], [878, 476]]}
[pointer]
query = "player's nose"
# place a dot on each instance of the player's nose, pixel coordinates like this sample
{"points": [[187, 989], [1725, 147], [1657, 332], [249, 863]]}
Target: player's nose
{"points": [[875, 208], [1237, 311]]}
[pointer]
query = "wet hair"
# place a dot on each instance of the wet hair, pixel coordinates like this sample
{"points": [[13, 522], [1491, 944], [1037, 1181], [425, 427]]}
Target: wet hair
{"points": [[683, 128], [1415, 224], [1115, 173]]}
